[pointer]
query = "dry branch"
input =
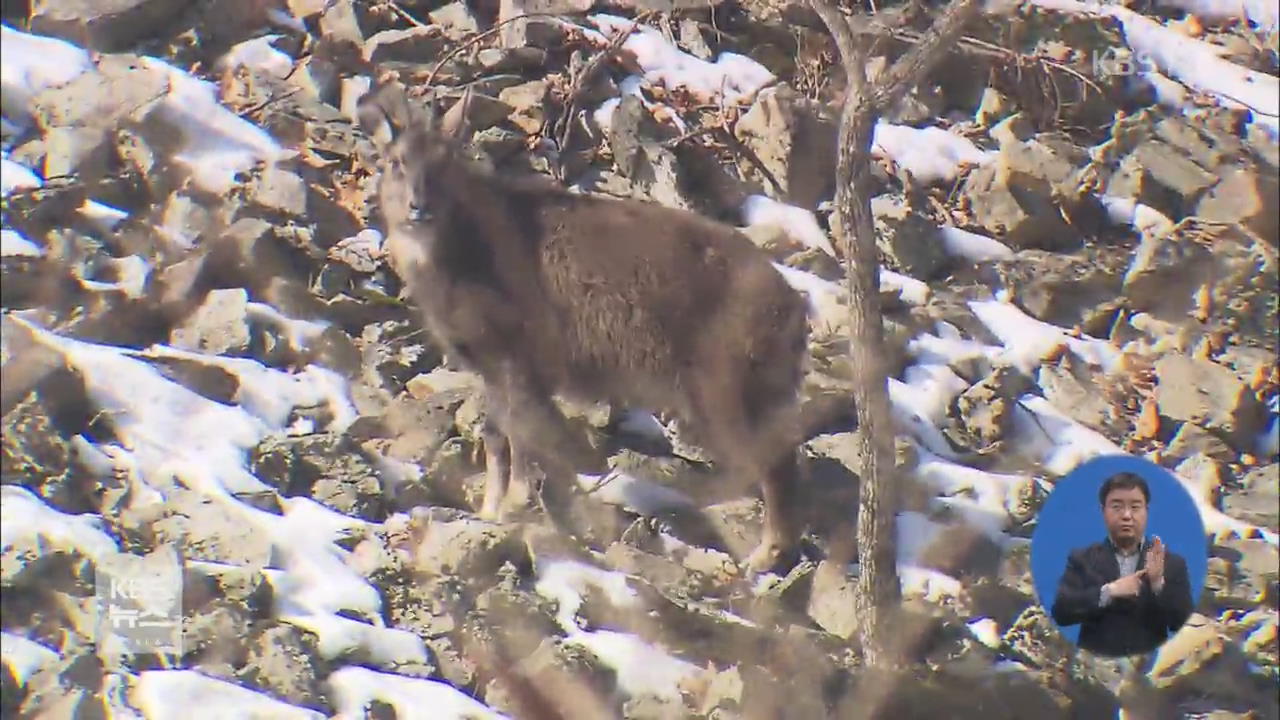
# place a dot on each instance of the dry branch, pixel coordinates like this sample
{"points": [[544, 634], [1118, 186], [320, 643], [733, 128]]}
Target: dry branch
{"points": [[877, 592]]}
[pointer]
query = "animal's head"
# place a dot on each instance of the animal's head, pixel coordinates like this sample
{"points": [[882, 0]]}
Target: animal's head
{"points": [[415, 143]]}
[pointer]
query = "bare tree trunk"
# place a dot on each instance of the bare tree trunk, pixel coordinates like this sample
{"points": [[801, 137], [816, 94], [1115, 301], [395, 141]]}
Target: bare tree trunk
{"points": [[877, 591]]}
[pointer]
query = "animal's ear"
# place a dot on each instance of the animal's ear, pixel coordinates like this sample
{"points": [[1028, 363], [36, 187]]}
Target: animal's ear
{"points": [[384, 113], [454, 124]]}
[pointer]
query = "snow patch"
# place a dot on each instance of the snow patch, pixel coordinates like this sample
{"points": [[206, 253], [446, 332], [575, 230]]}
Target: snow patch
{"points": [[930, 154], [188, 694]]}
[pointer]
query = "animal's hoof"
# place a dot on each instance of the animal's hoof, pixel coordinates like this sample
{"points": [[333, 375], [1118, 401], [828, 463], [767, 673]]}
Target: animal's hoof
{"points": [[490, 512], [766, 557]]}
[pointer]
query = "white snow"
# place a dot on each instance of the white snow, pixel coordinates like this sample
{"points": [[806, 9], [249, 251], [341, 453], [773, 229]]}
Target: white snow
{"points": [[1189, 60], [972, 246], [948, 347], [13, 244], [1262, 13], [919, 403], [982, 498], [732, 77], [642, 669], [637, 495], [826, 299], [24, 516], [259, 54], [930, 154], [1047, 436], [641, 423], [908, 288], [352, 688], [298, 332], [188, 694], [1027, 340], [217, 143], [16, 176], [986, 631], [24, 656], [797, 223], [916, 533], [32, 63], [1128, 211]]}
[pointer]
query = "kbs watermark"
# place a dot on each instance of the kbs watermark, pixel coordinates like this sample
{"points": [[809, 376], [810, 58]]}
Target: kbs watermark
{"points": [[139, 603], [1120, 62]]}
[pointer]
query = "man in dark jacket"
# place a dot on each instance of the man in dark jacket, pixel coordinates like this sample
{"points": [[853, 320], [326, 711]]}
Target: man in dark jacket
{"points": [[1127, 593]]}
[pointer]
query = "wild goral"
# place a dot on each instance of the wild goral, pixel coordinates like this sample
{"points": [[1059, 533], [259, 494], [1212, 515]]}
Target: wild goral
{"points": [[543, 292]]}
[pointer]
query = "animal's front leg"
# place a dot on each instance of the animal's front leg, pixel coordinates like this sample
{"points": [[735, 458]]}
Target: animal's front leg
{"points": [[780, 533], [535, 425], [497, 466]]}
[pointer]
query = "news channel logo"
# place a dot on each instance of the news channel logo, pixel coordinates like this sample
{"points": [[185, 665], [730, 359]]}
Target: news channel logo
{"points": [[1121, 62], [139, 603]]}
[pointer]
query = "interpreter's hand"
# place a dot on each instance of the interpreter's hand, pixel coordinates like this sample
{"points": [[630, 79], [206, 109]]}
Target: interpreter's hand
{"points": [[1154, 564], [1128, 585]]}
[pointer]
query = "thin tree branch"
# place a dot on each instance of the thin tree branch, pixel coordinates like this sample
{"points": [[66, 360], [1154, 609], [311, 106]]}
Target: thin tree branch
{"points": [[911, 67]]}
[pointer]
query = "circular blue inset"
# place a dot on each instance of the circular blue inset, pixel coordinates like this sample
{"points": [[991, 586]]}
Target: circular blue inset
{"points": [[1072, 518]]}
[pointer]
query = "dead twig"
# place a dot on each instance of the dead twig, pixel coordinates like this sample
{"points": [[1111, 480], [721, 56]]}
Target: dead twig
{"points": [[474, 39], [571, 100], [404, 14], [877, 592]]}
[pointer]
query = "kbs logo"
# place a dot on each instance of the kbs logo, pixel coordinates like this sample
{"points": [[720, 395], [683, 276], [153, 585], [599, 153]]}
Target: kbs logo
{"points": [[1120, 62]]}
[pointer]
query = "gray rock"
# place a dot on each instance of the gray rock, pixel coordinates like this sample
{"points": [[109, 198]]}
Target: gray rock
{"points": [[414, 44], [34, 454], [1013, 130], [282, 661], [326, 466], [105, 25], [528, 103], [1244, 573], [1013, 197], [205, 529], [907, 238], [454, 545], [1202, 659], [1247, 195], [80, 116], [456, 19], [1203, 392], [1070, 386], [1257, 500], [793, 141], [986, 409], [831, 601], [571, 675], [1171, 276], [535, 31], [511, 59], [1208, 151], [1191, 439], [278, 191], [220, 326], [1065, 289], [1156, 174]]}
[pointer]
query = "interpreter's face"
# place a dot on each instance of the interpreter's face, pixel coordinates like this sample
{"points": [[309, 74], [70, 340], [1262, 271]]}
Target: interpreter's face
{"points": [[1125, 512]]}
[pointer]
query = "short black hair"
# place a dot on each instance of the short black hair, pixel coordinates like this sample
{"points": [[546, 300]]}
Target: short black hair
{"points": [[1124, 481]]}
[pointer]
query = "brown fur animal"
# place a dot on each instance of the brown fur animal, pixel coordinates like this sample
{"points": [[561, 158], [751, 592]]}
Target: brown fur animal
{"points": [[544, 292]]}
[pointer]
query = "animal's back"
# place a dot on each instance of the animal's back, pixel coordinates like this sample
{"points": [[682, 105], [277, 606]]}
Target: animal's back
{"points": [[654, 294]]}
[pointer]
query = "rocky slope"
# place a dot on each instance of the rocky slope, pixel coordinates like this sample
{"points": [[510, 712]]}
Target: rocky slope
{"points": [[203, 351]]}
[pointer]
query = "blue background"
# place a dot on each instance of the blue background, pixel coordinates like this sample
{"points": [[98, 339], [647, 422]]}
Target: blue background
{"points": [[1072, 518]]}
